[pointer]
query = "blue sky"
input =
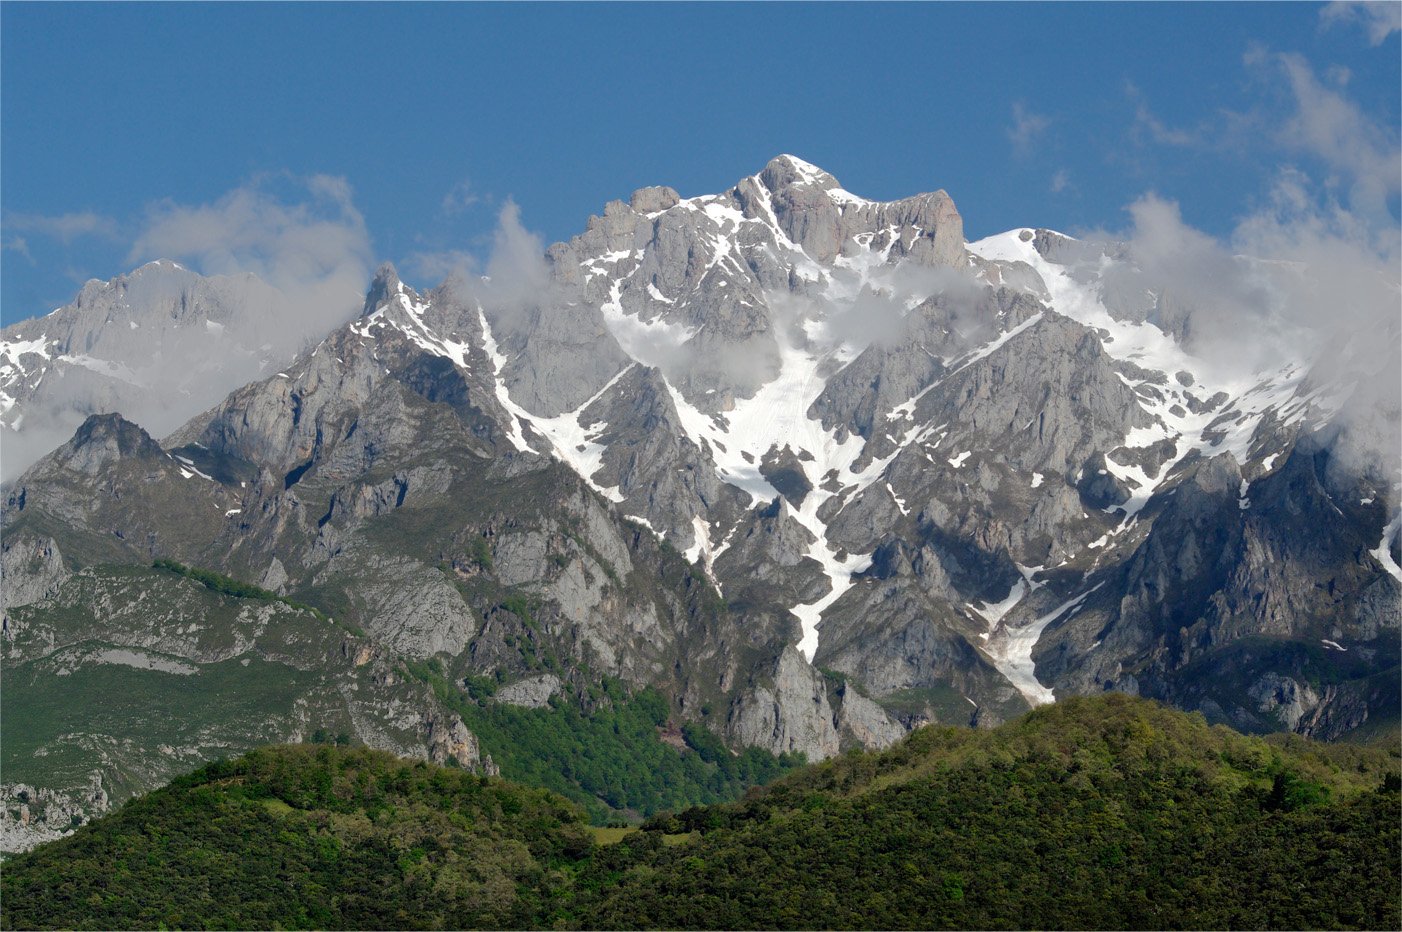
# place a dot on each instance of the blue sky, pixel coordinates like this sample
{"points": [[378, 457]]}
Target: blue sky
{"points": [[319, 140]]}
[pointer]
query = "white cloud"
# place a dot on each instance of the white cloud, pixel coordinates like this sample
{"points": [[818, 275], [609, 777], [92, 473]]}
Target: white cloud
{"points": [[1027, 127], [1061, 182], [459, 198], [1380, 19], [311, 254], [1206, 299], [1326, 295], [64, 228], [250, 230], [436, 266], [20, 245], [315, 250], [1332, 128], [1158, 130], [517, 272]]}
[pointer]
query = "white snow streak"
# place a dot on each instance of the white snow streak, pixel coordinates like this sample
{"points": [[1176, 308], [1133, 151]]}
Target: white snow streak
{"points": [[1010, 649], [489, 343], [1250, 395], [1383, 553], [576, 443], [994, 613]]}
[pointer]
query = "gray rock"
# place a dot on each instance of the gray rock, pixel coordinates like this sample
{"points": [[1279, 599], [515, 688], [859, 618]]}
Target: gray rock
{"points": [[453, 741], [560, 354], [534, 692], [275, 578], [786, 711], [658, 470], [768, 562], [897, 641], [865, 722], [652, 200], [409, 607], [30, 569], [1284, 698]]}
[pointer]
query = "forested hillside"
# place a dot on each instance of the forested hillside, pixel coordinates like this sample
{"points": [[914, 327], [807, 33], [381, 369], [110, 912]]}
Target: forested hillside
{"points": [[1093, 813], [606, 754], [307, 837]]}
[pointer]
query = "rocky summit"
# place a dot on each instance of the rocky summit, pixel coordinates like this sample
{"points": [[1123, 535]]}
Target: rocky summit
{"points": [[813, 466]]}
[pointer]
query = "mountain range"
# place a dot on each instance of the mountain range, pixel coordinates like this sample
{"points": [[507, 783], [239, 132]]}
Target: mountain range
{"points": [[815, 467]]}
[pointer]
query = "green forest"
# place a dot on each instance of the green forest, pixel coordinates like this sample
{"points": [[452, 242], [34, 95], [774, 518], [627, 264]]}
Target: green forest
{"points": [[607, 757], [1110, 812]]}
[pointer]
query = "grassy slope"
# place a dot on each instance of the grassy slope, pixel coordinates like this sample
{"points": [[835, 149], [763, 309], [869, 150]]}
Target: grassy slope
{"points": [[70, 713]]}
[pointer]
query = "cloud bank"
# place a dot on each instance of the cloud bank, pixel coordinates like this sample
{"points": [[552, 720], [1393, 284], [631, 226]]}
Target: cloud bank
{"points": [[315, 251], [286, 260], [1310, 274], [1379, 19]]}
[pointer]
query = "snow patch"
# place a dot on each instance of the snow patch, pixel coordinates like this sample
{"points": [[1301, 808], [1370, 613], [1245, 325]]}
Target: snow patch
{"points": [[1383, 553], [907, 408], [113, 370], [900, 502], [651, 342], [576, 443], [994, 613], [489, 343], [1010, 649]]}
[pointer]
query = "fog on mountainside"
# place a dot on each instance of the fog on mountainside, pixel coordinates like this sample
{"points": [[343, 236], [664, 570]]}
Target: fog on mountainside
{"points": [[163, 343], [158, 345], [1295, 286]]}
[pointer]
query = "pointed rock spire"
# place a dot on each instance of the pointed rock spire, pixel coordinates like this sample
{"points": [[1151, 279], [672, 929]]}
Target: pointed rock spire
{"points": [[384, 285]]}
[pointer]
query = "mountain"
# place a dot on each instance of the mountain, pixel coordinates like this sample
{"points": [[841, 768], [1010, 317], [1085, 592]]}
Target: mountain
{"points": [[127, 345], [812, 466], [1108, 812]]}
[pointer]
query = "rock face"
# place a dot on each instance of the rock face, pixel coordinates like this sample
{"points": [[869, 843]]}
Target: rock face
{"points": [[534, 692], [786, 711], [30, 569], [807, 461], [869, 725], [456, 743], [34, 815], [1283, 697]]}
